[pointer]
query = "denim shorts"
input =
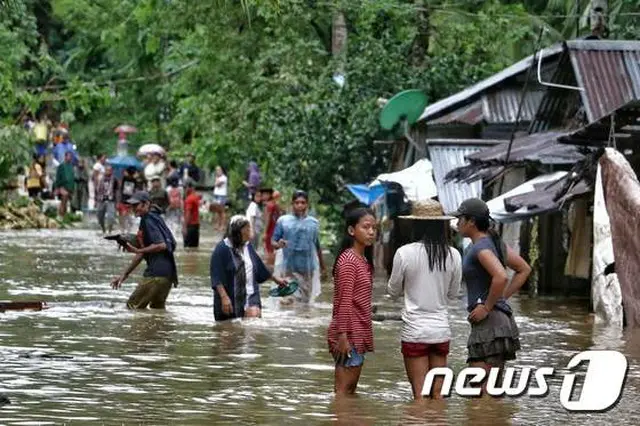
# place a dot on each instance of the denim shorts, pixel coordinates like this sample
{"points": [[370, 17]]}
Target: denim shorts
{"points": [[220, 199], [355, 359]]}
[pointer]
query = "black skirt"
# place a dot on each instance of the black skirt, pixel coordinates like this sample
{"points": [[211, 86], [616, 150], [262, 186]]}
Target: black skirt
{"points": [[495, 339]]}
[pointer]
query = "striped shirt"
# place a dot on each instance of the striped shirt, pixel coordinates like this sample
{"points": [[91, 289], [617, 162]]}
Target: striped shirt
{"points": [[352, 303]]}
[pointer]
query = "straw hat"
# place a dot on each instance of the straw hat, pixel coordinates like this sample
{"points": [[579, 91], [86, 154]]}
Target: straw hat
{"points": [[427, 210]]}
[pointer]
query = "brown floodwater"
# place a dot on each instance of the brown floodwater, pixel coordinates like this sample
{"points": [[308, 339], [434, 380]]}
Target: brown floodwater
{"points": [[87, 359]]}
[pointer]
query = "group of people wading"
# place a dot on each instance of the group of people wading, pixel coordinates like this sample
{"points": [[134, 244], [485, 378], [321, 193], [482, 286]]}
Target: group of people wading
{"points": [[236, 269], [427, 271]]}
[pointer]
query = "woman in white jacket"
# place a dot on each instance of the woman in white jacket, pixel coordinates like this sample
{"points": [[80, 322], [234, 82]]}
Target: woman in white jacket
{"points": [[428, 273]]}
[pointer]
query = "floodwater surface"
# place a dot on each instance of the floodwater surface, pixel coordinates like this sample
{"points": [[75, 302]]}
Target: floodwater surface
{"points": [[88, 360]]}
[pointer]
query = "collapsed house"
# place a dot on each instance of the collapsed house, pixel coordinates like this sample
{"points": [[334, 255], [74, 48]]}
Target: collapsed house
{"points": [[591, 102]]}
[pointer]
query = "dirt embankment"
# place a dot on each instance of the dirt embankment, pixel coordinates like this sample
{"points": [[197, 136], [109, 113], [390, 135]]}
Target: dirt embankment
{"points": [[21, 216]]}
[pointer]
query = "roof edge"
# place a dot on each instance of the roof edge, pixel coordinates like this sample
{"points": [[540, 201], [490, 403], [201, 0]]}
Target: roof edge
{"points": [[619, 45], [471, 91], [464, 142]]}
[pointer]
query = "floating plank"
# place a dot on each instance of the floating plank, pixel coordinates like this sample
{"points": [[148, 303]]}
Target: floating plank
{"points": [[22, 306]]}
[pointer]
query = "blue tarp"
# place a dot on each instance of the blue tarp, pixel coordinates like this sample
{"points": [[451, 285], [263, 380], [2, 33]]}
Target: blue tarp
{"points": [[365, 194]]}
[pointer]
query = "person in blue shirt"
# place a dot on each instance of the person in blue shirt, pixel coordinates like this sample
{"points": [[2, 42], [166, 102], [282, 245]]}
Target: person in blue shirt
{"points": [[62, 148], [298, 235]]}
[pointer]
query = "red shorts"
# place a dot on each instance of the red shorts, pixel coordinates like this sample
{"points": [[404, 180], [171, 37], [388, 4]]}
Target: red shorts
{"points": [[410, 349]]}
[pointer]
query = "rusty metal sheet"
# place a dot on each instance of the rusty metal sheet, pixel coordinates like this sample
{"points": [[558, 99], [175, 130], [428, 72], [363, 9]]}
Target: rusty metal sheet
{"points": [[609, 71]]}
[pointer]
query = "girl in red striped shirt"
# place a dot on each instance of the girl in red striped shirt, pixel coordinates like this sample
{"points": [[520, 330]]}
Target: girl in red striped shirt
{"points": [[350, 334]]}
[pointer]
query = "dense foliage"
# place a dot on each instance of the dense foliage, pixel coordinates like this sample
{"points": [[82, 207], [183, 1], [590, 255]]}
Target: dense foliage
{"points": [[235, 81]]}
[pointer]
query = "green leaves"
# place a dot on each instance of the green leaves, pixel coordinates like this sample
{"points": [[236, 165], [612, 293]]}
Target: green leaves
{"points": [[236, 81], [14, 151]]}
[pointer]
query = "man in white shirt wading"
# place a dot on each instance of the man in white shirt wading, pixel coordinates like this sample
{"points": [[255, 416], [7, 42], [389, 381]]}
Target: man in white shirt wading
{"points": [[427, 272]]}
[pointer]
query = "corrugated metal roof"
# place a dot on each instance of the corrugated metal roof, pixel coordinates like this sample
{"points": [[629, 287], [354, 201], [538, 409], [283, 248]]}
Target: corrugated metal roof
{"points": [[469, 114], [609, 71], [445, 158], [466, 94], [501, 106], [540, 147], [498, 107]]}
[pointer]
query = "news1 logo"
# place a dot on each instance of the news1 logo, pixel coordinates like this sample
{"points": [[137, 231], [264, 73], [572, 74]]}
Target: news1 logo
{"points": [[601, 388]]}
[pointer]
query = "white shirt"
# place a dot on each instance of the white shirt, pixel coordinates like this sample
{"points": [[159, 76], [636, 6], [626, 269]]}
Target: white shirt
{"points": [[254, 216], [222, 189], [248, 267], [426, 293], [154, 170], [99, 167]]}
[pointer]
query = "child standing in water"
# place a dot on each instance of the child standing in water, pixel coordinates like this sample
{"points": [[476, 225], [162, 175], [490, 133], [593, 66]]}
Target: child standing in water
{"points": [[350, 333]]}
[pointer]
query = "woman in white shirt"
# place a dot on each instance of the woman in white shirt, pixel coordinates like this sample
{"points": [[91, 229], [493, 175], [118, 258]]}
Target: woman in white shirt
{"points": [[428, 273], [154, 168], [220, 199]]}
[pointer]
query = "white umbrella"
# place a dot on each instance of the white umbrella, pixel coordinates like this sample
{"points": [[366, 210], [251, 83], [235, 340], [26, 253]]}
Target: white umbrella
{"points": [[151, 148]]}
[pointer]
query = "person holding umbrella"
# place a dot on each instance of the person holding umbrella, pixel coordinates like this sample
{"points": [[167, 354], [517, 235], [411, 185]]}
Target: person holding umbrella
{"points": [[155, 166], [126, 189]]}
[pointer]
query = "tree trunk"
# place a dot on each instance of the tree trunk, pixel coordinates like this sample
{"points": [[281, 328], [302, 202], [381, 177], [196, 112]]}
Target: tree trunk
{"points": [[421, 42], [339, 45], [338, 35]]}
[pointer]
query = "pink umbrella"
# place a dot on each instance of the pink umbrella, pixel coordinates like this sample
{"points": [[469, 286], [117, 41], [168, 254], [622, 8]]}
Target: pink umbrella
{"points": [[125, 128]]}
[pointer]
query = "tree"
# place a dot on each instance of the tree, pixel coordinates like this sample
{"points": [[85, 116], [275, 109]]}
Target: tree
{"points": [[237, 81]]}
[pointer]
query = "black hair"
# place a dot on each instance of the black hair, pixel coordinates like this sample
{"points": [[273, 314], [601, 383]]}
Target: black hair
{"points": [[174, 164], [234, 232], [172, 181], [298, 194], [434, 234], [486, 224], [351, 220]]}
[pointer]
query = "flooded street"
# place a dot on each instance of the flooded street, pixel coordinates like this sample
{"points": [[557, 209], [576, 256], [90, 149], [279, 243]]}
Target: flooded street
{"points": [[87, 358]]}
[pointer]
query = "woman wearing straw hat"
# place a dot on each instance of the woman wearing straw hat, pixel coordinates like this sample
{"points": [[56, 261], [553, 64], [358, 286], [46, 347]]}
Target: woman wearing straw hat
{"points": [[428, 272], [494, 337]]}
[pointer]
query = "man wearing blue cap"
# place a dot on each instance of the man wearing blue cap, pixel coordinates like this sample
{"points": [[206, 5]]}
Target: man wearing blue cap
{"points": [[156, 245]]}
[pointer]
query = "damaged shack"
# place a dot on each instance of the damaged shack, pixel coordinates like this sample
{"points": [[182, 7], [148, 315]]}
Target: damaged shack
{"points": [[591, 105]]}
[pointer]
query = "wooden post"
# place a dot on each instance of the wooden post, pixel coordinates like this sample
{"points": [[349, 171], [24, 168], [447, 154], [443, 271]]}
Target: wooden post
{"points": [[598, 18]]}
